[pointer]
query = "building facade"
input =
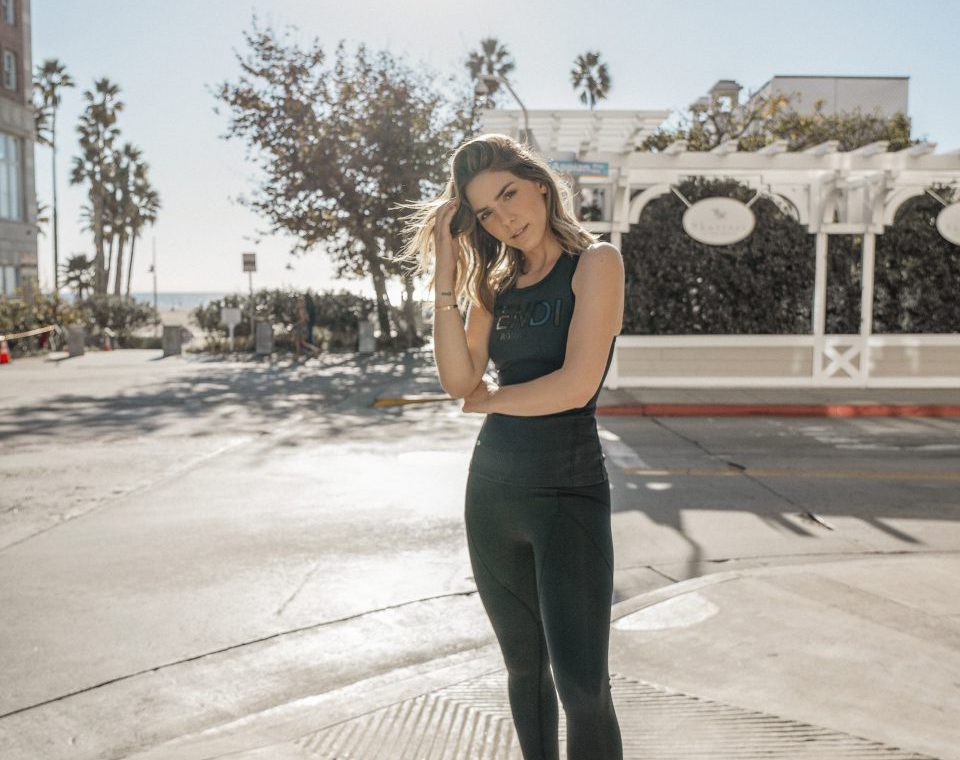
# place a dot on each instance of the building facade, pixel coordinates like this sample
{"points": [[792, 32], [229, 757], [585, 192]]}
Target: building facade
{"points": [[18, 207], [883, 96]]}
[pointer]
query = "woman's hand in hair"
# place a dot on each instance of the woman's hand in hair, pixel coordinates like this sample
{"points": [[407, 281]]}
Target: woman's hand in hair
{"points": [[478, 399], [447, 247]]}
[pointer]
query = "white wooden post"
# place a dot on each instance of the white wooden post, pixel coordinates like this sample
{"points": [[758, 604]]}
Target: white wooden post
{"points": [[819, 301], [866, 302]]}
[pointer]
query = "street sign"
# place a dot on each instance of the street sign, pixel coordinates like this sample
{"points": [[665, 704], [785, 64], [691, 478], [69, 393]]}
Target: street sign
{"points": [[249, 262], [582, 168], [230, 318]]}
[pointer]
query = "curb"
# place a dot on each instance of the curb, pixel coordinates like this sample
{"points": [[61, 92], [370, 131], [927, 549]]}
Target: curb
{"points": [[727, 410], [779, 410]]}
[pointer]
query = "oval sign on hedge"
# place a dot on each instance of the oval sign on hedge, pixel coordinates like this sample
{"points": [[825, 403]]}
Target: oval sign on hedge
{"points": [[718, 221], [948, 223]]}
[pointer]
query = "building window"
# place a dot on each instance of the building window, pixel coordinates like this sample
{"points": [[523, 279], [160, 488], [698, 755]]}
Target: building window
{"points": [[8, 280], [9, 69], [6, 9], [10, 186]]}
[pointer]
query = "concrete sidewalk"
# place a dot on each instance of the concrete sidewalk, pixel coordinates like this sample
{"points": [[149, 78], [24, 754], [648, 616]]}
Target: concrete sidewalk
{"points": [[852, 659], [815, 402]]}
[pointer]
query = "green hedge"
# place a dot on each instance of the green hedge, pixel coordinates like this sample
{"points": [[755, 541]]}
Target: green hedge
{"points": [[764, 284], [336, 320]]}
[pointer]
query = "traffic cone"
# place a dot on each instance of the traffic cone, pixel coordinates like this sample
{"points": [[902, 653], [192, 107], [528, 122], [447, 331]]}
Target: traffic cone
{"points": [[4, 352]]}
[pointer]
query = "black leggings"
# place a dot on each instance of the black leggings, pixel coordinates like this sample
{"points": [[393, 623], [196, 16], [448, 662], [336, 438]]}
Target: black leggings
{"points": [[542, 560]]}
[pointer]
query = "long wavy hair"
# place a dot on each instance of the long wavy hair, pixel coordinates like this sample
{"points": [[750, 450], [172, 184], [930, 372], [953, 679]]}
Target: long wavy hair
{"points": [[487, 266]]}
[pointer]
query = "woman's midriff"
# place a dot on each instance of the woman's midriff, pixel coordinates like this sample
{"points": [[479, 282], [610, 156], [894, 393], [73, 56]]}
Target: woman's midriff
{"points": [[539, 451]]}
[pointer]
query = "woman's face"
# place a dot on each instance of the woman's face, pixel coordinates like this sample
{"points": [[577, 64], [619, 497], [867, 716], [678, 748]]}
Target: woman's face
{"points": [[505, 205]]}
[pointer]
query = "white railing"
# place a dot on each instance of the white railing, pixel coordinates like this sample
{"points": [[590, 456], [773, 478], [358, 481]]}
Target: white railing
{"points": [[786, 361]]}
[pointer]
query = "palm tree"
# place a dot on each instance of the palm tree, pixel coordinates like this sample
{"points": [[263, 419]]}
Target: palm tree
{"points": [[591, 77], [145, 205], [97, 133], [50, 77], [127, 170], [492, 58], [78, 274]]}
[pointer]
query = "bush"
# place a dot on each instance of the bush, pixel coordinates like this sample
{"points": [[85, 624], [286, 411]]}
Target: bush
{"points": [[22, 314], [119, 314], [764, 284], [675, 285], [335, 324]]}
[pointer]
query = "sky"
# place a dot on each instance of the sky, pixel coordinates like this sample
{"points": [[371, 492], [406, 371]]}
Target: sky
{"points": [[662, 55]]}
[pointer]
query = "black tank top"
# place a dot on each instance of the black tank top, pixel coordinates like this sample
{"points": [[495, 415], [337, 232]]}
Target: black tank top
{"points": [[528, 339]]}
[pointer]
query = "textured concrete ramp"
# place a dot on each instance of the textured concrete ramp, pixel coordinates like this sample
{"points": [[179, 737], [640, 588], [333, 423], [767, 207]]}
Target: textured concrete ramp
{"points": [[472, 720]]}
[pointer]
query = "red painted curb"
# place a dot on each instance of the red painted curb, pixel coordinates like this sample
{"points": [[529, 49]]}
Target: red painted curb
{"points": [[779, 410]]}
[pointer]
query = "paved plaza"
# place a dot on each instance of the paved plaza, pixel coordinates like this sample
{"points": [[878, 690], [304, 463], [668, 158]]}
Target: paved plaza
{"points": [[224, 557]]}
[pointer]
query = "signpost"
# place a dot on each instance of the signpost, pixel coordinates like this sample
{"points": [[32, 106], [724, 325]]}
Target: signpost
{"points": [[230, 318], [250, 266]]}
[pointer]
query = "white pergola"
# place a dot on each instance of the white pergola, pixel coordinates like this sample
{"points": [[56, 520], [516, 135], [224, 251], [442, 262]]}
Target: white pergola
{"points": [[578, 131], [830, 192]]}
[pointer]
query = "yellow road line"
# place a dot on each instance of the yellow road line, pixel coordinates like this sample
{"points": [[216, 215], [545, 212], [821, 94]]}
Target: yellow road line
{"points": [[423, 398]]}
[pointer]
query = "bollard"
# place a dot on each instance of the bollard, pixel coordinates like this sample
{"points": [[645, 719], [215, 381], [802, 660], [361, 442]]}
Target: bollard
{"points": [[76, 337], [172, 341], [264, 343], [366, 342]]}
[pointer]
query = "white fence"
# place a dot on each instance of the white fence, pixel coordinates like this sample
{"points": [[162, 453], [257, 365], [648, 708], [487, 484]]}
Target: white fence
{"points": [[786, 361]]}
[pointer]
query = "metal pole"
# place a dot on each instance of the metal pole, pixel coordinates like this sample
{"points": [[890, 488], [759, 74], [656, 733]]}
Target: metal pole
{"points": [[153, 269], [253, 337], [526, 116], [56, 237]]}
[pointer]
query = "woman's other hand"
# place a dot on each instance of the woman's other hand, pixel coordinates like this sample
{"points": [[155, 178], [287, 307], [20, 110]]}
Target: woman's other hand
{"points": [[478, 400]]}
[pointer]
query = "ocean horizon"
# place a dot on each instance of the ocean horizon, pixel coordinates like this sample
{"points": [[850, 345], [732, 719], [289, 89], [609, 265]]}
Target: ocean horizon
{"points": [[180, 299]]}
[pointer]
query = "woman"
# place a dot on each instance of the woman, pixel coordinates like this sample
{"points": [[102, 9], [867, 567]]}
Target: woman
{"points": [[537, 504]]}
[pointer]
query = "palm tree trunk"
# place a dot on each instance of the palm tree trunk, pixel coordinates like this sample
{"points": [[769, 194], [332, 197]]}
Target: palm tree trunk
{"points": [[106, 282], [118, 281], [99, 276], [133, 243]]}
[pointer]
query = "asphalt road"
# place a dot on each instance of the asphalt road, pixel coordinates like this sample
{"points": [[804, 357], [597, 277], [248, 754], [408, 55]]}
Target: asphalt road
{"points": [[183, 541]]}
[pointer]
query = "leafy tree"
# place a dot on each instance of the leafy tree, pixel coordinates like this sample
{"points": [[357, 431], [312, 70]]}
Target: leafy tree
{"points": [[339, 147], [50, 78], [705, 126], [764, 119], [850, 130], [590, 78]]}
